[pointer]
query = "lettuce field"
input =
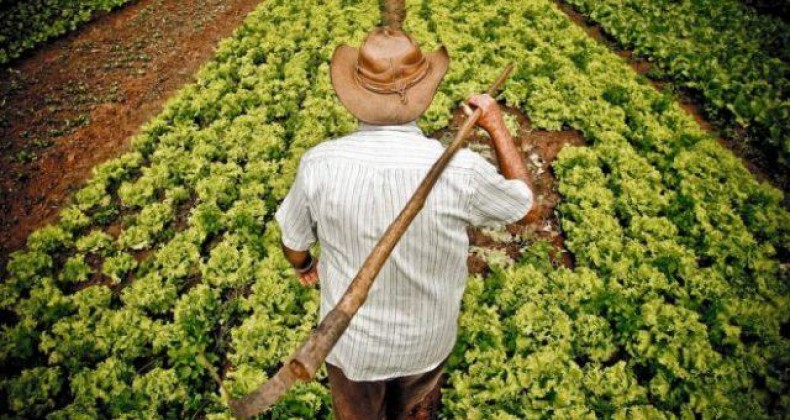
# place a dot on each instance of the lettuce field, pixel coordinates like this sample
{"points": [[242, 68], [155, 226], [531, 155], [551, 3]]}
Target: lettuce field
{"points": [[26, 24], [167, 259], [738, 60]]}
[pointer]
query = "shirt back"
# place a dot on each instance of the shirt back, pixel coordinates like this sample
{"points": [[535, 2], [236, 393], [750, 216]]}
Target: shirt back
{"points": [[346, 193]]}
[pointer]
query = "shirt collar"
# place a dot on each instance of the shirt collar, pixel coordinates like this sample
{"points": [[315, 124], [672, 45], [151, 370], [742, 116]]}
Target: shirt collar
{"points": [[409, 127]]}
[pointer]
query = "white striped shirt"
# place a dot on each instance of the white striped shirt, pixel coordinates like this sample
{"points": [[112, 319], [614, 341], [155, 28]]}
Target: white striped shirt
{"points": [[346, 193]]}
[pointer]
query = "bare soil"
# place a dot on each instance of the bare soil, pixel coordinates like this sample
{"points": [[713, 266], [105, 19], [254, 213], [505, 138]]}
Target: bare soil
{"points": [[539, 149], [761, 163], [76, 101]]}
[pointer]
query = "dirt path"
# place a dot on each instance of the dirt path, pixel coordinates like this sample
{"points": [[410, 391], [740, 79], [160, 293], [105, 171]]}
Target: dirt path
{"points": [[75, 102], [757, 161]]}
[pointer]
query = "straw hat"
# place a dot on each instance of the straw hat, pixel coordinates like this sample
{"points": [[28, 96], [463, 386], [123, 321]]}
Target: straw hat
{"points": [[388, 80]]}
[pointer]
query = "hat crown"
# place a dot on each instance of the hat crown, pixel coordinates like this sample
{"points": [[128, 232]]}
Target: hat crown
{"points": [[390, 59], [388, 79]]}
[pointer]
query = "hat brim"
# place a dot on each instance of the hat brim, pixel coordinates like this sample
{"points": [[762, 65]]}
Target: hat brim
{"points": [[384, 109]]}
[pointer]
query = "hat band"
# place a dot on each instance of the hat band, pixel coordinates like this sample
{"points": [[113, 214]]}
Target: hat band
{"points": [[399, 85]]}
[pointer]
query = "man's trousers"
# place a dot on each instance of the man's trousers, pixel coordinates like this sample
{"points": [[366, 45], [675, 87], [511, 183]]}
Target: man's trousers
{"points": [[390, 399]]}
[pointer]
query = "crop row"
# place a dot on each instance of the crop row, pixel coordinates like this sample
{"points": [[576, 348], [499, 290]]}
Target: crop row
{"points": [[107, 324], [683, 294], [735, 57], [26, 24]]}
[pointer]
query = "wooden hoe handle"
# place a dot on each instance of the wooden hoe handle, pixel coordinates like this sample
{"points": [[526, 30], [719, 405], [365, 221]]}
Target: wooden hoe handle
{"points": [[311, 355]]}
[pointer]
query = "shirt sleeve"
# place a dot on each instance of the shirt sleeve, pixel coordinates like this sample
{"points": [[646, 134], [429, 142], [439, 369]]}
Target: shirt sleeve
{"points": [[495, 200], [294, 216]]}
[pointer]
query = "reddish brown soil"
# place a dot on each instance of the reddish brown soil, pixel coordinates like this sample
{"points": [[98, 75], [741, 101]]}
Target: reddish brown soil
{"points": [[759, 162], [75, 102], [639, 64], [539, 149], [594, 31]]}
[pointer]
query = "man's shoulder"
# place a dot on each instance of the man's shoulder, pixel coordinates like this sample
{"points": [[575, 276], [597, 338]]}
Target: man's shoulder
{"points": [[469, 159], [356, 145], [331, 145], [324, 149]]}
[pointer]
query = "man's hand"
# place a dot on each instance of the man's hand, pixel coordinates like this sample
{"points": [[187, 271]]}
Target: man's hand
{"points": [[311, 276], [491, 118], [302, 259]]}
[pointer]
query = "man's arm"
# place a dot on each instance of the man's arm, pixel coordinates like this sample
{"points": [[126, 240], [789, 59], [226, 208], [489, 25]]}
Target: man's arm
{"points": [[510, 162], [296, 224]]}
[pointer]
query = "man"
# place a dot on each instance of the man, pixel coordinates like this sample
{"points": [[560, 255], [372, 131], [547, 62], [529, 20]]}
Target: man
{"points": [[348, 190]]}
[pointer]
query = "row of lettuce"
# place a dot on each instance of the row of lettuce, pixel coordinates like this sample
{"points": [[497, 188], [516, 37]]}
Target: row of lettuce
{"points": [[737, 58], [679, 299], [675, 309], [103, 324], [26, 24]]}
